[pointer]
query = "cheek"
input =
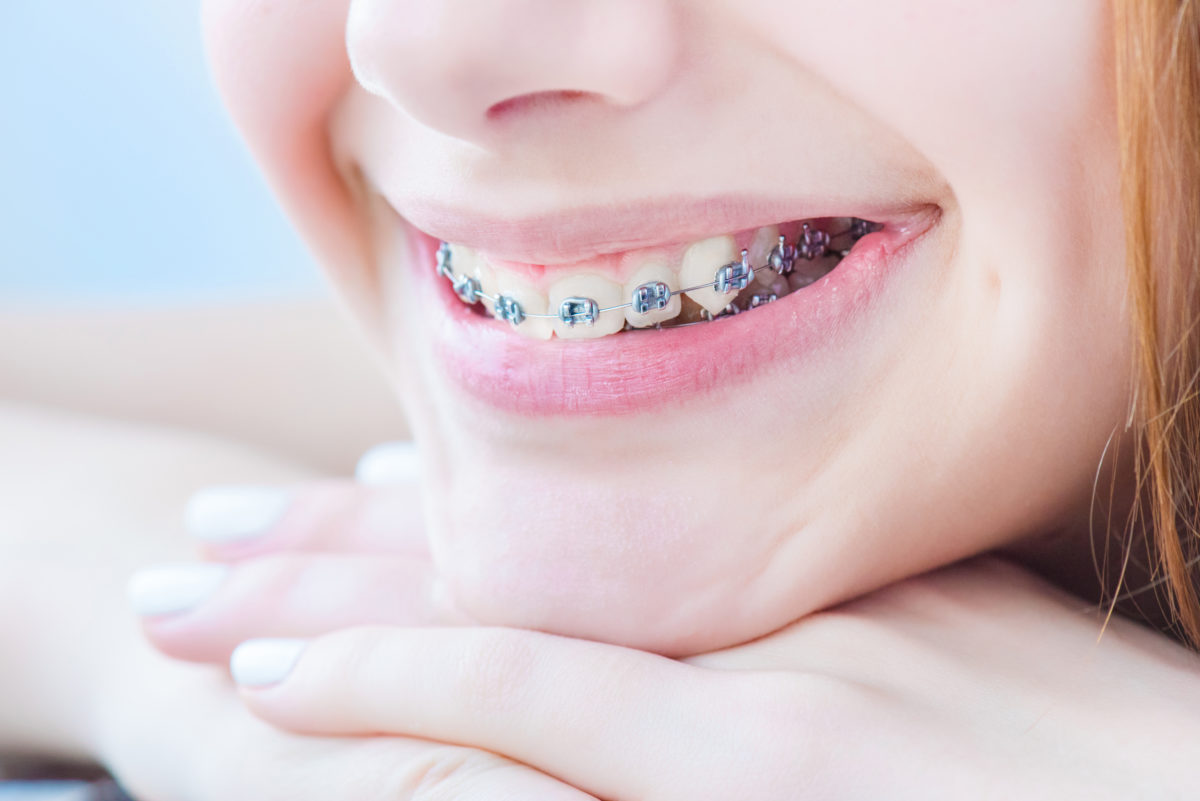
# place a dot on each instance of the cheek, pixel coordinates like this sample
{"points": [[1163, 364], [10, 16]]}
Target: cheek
{"points": [[968, 84], [282, 69]]}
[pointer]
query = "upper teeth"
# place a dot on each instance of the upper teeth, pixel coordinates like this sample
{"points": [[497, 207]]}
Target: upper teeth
{"points": [[812, 244], [586, 305]]}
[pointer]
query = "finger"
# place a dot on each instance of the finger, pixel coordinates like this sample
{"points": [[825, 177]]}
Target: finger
{"points": [[616, 722], [195, 740], [380, 769], [236, 521], [200, 612]]}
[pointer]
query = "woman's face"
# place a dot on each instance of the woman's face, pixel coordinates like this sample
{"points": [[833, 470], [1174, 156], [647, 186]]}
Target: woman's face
{"points": [[949, 387]]}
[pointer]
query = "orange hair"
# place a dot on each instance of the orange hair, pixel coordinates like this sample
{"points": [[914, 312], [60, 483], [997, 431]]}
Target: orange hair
{"points": [[1158, 103]]}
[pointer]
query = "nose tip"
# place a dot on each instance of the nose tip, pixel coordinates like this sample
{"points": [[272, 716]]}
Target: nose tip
{"points": [[463, 66]]}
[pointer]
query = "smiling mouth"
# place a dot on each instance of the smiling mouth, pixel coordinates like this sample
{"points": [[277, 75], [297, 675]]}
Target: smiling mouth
{"points": [[497, 332], [701, 282]]}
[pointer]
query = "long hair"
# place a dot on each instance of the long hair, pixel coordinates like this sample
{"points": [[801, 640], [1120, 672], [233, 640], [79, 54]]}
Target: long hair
{"points": [[1158, 102]]}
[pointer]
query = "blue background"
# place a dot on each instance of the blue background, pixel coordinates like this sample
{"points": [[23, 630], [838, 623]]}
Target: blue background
{"points": [[120, 177]]}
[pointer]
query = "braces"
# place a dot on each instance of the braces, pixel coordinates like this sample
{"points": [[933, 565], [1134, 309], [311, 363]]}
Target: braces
{"points": [[729, 279]]}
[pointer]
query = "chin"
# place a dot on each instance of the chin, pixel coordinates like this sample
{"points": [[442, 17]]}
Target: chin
{"points": [[635, 561]]}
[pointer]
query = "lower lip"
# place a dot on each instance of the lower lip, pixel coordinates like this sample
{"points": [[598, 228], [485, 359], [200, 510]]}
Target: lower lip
{"points": [[637, 371]]}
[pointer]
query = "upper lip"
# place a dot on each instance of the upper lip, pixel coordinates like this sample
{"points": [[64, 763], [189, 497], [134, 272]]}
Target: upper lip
{"points": [[574, 234]]}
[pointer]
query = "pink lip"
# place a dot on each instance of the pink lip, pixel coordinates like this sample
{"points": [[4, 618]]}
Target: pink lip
{"points": [[634, 372], [571, 236]]}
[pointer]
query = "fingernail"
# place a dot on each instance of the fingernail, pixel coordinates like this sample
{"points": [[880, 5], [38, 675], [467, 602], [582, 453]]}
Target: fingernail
{"points": [[389, 463], [229, 514], [261, 663], [171, 589]]}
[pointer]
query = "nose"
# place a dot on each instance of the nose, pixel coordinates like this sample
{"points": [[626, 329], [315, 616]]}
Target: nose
{"points": [[463, 66]]}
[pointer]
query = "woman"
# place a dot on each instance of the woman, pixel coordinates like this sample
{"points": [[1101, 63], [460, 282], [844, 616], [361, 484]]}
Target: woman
{"points": [[958, 383]]}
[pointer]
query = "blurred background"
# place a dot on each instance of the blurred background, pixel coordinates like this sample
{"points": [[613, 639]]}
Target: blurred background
{"points": [[147, 278], [123, 181], [146, 273]]}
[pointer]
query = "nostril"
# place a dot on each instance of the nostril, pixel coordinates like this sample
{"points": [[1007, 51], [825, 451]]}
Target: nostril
{"points": [[539, 101]]}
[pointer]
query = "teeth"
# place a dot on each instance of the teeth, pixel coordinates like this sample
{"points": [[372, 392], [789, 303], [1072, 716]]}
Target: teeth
{"points": [[650, 273], [700, 264], [532, 302], [777, 287], [726, 280], [468, 262], [761, 299], [605, 293], [760, 247], [463, 259]]}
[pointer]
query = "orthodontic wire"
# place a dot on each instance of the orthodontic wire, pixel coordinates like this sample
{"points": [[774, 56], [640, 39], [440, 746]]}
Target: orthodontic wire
{"points": [[858, 228]]}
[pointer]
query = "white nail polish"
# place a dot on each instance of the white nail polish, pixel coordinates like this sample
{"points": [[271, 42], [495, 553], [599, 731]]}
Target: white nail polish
{"points": [[171, 589], [261, 663], [229, 514], [389, 463]]}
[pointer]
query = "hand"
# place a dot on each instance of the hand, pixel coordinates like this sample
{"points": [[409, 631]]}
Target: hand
{"points": [[175, 731], [171, 732], [978, 677], [975, 682], [297, 561], [79, 680]]}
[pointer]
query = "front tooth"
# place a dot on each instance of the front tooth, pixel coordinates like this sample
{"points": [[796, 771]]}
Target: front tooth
{"points": [[531, 300], [652, 272], [585, 285], [462, 259], [468, 262], [764, 241], [700, 264]]}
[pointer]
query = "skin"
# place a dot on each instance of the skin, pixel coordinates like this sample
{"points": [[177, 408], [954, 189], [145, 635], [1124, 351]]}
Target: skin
{"points": [[976, 676], [839, 705], [141, 364], [202, 385], [1019, 671], [969, 357], [906, 440]]}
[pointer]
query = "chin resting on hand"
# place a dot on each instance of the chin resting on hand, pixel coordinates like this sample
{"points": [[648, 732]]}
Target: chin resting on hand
{"points": [[968, 681]]}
